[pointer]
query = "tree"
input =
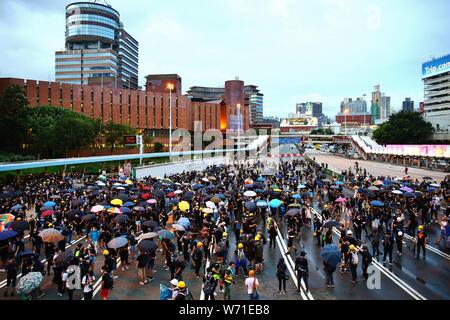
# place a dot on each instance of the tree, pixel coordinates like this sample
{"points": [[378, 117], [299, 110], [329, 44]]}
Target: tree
{"points": [[114, 132], [159, 147], [404, 128]]}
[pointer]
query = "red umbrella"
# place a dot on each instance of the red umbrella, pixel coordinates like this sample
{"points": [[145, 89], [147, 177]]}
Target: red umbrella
{"points": [[145, 196], [47, 213], [171, 194]]}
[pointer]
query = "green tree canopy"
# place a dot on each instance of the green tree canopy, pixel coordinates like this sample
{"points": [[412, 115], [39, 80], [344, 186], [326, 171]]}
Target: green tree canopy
{"points": [[114, 133], [404, 128]]}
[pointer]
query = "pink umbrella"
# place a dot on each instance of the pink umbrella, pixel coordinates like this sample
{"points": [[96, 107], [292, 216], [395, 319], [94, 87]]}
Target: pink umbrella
{"points": [[340, 199], [97, 208], [152, 201]]}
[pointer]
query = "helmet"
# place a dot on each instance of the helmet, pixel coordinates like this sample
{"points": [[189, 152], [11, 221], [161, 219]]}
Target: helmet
{"points": [[174, 282], [257, 238], [349, 232], [240, 246], [205, 215], [399, 219], [224, 234], [251, 273], [105, 252], [352, 247], [199, 244], [181, 285], [400, 233], [420, 227]]}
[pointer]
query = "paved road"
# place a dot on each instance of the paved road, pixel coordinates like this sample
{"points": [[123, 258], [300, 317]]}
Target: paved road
{"points": [[339, 164]]}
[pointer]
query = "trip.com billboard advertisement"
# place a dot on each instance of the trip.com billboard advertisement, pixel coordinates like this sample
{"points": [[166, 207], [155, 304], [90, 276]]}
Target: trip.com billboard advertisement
{"points": [[435, 67]]}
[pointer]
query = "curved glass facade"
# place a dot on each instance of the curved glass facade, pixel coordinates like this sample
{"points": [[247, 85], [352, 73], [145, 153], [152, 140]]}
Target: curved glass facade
{"points": [[90, 30], [92, 6], [77, 18]]}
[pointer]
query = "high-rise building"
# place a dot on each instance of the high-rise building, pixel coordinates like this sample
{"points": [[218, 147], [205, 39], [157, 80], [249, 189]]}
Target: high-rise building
{"points": [[97, 48], [408, 105], [381, 106], [234, 93], [254, 100], [436, 78], [313, 109], [354, 106]]}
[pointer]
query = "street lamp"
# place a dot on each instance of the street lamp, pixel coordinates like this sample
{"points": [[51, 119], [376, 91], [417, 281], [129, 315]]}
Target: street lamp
{"points": [[170, 87]]}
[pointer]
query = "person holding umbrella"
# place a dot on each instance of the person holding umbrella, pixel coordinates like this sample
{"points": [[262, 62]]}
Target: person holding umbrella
{"points": [[331, 256]]}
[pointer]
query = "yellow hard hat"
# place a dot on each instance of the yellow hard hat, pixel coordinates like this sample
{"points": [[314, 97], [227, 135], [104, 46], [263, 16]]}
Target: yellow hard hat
{"points": [[199, 244], [420, 227], [257, 238], [224, 234], [352, 247], [181, 285], [240, 246], [205, 215], [105, 252]]}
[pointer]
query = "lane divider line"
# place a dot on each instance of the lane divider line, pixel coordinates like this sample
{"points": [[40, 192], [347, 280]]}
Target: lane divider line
{"points": [[403, 285], [3, 283]]}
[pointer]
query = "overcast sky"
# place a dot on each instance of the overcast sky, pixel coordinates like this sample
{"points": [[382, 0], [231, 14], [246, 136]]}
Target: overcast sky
{"points": [[295, 50]]}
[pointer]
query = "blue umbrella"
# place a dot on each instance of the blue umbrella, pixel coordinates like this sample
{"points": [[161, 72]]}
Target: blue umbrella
{"points": [[125, 209], [49, 204], [128, 204], [165, 234], [173, 201], [197, 186], [262, 203], [295, 196], [164, 293], [260, 179], [5, 235], [275, 203], [248, 186], [301, 186], [279, 176], [250, 205], [331, 254], [339, 183], [221, 196], [16, 207], [118, 242], [259, 190], [377, 203], [184, 222], [294, 178], [409, 195], [430, 189]]}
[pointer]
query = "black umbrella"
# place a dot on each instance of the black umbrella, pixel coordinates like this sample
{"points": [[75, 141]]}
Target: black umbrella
{"points": [[123, 197], [26, 253], [150, 223], [72, 214], [147, 246], [88, 217], [63, 258], [121, 218], [20, 225], [292, 212], [159, 193], [64, 230], [330, 224]]}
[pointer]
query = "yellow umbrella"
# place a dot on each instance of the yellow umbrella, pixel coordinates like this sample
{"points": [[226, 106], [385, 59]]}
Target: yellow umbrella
{"points": [[184, 206], [116, 202], [128, 181], [277, 190]]}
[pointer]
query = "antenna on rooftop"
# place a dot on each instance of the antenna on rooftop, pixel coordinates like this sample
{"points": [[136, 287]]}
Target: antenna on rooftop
{"points": [[96, 1]]}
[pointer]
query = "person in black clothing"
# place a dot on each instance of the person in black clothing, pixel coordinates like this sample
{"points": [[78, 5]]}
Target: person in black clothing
{"points": [[11, 276], [49, 253], [197, 256], [301, 267], [366, 260], [282, 276], [388, 246], [272, 235]]}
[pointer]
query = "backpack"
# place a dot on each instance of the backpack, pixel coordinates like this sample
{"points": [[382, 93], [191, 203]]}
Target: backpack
{"points": [[368, 256], [387, 241], [355, 258], [109, 281]]}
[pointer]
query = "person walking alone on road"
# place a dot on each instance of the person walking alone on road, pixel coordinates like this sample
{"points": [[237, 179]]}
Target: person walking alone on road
{"points": [[399, 242], [388, 246], [421, 241], [282, 276], [252, 285], [366, 260], [301, 267]]}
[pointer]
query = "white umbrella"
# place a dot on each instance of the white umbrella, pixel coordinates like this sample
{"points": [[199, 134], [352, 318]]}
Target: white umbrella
{"points": [[397, 192], [210, 204], [250, 193], [178, 227], [97, 208], [435, 185], [207, 210], [148, 235], [101, 184], [117, 184], [178, 191], [205, 179]]}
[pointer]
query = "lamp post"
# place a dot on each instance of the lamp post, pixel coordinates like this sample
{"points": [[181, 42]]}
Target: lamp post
{"points": [[170, 86]]}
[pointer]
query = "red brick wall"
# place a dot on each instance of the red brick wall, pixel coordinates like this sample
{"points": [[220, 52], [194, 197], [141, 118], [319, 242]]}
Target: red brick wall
{"points": [[54, 94], [66, 95], [97, 110], [43, 93], [116, 106], [31, 92]]}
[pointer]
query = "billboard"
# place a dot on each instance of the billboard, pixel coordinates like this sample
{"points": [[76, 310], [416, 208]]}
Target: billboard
{"points": [[425, 150], [299, 122], [435, 67], [130, 140]]}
